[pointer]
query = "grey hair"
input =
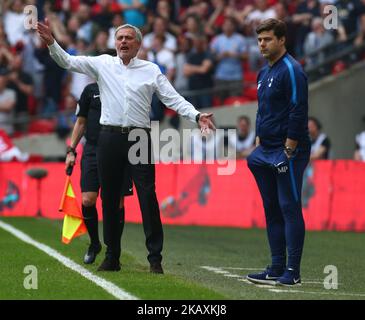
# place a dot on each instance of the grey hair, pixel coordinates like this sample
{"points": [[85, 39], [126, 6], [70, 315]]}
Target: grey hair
{"points": [[129, 26]]}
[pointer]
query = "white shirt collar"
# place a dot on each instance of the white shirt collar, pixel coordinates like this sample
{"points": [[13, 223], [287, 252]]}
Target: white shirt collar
{"points": [[130, 64]]}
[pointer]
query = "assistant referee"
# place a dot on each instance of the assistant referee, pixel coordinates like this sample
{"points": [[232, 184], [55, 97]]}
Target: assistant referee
{"points": [[88, 114], [126, 85]]}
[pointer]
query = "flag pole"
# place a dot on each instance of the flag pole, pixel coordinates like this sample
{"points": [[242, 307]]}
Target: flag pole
{"points": [[68, 175]]}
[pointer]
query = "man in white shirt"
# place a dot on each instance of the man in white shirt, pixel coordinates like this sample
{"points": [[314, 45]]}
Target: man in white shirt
{"points": [[261, 12], [244, 140], [160, 29], [7, 104], [126, 86], [359, 153], [13, 20]]}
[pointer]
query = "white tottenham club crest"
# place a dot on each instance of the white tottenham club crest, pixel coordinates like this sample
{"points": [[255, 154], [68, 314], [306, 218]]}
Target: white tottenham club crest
{"points": [[271, 80]]}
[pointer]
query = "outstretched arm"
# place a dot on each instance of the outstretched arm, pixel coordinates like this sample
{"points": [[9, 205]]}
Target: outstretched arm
{"points": [[81, 64], [173, 100]]}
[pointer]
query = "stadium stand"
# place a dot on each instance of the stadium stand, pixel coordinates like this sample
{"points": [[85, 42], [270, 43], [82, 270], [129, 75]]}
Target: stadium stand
{"points": [[87, 27]]}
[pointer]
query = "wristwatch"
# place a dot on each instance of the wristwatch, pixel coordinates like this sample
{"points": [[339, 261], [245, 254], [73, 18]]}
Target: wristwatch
{"points": [[197, 118], [289, 150], [71, 150]]}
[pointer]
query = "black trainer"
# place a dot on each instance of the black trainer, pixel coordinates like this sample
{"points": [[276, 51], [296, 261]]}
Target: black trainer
{"points": [[268, 276], [91, 253], [109, 265], [156, 268]]}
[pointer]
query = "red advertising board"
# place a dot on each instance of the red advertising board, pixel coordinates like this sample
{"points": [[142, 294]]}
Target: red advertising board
{"points": [[332, 195]]}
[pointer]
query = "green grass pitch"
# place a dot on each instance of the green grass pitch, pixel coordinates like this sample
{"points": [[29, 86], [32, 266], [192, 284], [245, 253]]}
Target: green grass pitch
{"points": [[199, 262]]}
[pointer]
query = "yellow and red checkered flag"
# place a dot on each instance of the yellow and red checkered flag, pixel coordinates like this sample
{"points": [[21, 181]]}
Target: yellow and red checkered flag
{"points": [[73, 222]]}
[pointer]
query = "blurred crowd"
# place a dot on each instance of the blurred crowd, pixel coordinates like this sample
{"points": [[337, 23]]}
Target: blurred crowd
{"points": [[206, 48]]}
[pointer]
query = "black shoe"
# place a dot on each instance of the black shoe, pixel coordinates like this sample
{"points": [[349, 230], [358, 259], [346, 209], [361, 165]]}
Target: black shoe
{"points": [[156, 268], [109, 265], [91, 253]]}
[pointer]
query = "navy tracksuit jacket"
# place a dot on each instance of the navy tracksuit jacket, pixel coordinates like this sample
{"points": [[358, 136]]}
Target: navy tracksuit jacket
{"points": [[282, 113]]}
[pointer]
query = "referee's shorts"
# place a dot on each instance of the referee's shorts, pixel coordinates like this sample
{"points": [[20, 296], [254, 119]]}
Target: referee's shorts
{"points": [[89, 173]]}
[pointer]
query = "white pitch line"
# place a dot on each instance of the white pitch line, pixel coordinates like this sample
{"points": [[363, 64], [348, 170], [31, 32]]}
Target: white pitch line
{"points": [[218, 270], [232, 275], [237, 268], [322, 293], [109, 287], [244, 280]]}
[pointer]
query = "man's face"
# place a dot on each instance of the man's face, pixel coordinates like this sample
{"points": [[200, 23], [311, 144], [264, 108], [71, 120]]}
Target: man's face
{"points": [[312, 129], [228, 27], [157, 44], [159, 27], [261, 4], [126, 43], [280, 11], [199, 44], [3, 82], [83, 12], [243, 127], [269, 45]]}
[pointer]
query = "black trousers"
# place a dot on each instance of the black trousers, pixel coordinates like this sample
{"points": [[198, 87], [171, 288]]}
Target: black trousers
{"points": [[113, 148]]}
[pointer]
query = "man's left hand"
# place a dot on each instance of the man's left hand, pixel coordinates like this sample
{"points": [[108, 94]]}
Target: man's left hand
{"points": [[206, 123], [290, 153]]}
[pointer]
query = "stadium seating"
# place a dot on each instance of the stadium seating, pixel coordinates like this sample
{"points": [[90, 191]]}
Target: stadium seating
{"points": [[42, 126], [236, 101]]}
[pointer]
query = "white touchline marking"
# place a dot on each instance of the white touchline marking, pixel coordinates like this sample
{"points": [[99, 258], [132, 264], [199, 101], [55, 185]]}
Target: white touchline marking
{"points": [[244, 280], [232, 275], [219, 270], [109, 287], [323, 293], [236, 268]]}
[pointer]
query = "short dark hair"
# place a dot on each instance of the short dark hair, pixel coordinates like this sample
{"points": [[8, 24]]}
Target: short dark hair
{"points": [[244, 118], [316, 122], [278, 26], [231, 20]]}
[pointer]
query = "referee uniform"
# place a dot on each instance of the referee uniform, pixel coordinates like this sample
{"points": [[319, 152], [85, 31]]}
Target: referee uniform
{"points": [[89, 107]]}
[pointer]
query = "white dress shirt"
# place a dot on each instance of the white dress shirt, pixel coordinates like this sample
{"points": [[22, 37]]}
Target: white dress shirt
{"points": [[242, 145], [125, 90], [170, 41]]}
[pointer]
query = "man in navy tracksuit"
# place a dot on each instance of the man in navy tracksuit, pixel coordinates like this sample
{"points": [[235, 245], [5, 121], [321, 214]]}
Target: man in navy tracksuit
{"points": [[282, 153]]}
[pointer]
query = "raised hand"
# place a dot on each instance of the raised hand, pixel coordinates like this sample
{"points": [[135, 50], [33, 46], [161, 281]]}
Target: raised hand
{"points": [[205, 122], [45, 32]]}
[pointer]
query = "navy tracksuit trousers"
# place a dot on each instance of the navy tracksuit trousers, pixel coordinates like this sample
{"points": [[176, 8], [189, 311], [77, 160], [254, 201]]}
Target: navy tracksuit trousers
{"points": [[280, 184]]}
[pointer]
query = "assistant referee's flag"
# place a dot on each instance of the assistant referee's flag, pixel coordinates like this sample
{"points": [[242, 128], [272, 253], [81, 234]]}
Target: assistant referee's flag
{"points": [[73, 223]]}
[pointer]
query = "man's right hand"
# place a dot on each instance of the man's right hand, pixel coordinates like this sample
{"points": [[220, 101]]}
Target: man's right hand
{"points": [[45, 33]]}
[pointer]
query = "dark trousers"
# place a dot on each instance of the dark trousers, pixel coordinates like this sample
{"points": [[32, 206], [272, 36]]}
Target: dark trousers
{"points": [[113, 148], [280, 183]]}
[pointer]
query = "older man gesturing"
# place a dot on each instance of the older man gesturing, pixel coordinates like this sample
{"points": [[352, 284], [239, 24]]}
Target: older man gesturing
{"points": [[126, 87]]}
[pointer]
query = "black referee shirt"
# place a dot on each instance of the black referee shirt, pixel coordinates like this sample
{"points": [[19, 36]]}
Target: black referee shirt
{"points": [[89, 107]]}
